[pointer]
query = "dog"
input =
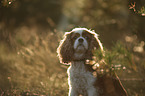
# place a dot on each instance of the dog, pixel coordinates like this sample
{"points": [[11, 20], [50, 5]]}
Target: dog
{"points": [[76, 49]]}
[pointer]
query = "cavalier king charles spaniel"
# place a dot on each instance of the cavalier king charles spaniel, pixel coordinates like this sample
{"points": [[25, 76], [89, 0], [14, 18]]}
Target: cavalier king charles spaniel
{"points": [[75, 49]]}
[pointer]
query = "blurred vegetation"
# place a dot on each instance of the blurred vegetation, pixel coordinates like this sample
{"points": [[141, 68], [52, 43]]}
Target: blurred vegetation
{"points": [[30, 31], [122, 60]]}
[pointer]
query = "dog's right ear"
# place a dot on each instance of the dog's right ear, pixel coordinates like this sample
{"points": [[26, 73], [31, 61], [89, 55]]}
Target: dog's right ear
{"points": [[65, 50]]}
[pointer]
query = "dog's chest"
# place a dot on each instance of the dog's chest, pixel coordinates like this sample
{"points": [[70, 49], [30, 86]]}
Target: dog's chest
{"points": [[80, 78]]}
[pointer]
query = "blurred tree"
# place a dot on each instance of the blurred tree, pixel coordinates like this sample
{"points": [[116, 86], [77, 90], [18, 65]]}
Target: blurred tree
{"points": [[136, 22], [15, 13]]}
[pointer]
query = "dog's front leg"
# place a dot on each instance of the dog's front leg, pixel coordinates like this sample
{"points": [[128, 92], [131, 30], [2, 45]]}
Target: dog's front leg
{"points": [[73, 92]]}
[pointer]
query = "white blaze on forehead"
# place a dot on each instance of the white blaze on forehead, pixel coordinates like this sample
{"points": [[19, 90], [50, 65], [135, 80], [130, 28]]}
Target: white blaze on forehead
{"points": [[76, 29], [79, 31]]}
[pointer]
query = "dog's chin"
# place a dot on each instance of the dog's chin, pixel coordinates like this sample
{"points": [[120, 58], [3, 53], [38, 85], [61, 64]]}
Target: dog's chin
{"points": [[80, 52], [80, 49]]}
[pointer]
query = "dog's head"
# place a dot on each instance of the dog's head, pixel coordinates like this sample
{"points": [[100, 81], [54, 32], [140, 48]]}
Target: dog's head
{"points": [[78, 45]]}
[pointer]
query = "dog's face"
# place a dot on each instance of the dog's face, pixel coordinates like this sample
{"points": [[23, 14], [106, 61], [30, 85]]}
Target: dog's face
{"points": [[78, 45], [80, 40]]}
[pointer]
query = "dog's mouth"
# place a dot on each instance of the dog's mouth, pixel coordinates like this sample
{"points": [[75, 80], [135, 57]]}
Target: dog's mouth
{"points": [[80, 48]]}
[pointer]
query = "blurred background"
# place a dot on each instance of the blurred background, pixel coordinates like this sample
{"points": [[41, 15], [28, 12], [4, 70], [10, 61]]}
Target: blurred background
{"points": [[30, 32]]}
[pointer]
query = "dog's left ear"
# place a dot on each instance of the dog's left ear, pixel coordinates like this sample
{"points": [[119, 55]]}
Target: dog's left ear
{"points": [[94, 44], [65, 50]]}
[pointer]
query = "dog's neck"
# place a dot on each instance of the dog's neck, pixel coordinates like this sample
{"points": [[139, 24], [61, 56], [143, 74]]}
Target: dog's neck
{"points": [[78, 63], [81, 65], [78, 66]]}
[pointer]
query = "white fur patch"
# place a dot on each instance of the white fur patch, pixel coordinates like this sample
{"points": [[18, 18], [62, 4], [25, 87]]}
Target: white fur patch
{"points": [[80, 80]]}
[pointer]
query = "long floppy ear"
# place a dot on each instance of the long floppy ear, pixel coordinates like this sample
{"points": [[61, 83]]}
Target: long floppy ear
{"points": [[65, 50], [94, 44]]}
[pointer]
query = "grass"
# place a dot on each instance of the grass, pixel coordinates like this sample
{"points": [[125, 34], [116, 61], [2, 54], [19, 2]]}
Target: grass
{"points": [[32, 68], [52, 86]]}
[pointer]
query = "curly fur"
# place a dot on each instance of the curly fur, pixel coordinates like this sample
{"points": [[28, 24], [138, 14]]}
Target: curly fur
{"points": [[65, 50]]}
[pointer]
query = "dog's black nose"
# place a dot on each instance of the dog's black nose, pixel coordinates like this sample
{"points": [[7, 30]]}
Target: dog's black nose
{"points": [[81, 40]]}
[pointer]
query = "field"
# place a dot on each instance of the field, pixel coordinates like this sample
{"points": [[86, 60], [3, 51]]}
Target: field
{"points": [[34, 69], [30, 32]]}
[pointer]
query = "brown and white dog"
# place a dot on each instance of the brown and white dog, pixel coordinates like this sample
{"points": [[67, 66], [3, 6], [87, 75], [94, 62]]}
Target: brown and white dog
{"points": [[75, 49]]}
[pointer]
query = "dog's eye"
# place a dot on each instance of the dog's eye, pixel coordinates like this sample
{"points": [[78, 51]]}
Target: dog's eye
{"points": [[86, 37], [75, 37]]}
